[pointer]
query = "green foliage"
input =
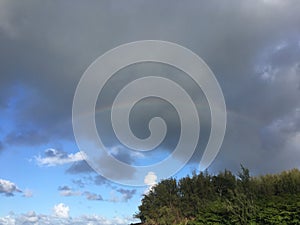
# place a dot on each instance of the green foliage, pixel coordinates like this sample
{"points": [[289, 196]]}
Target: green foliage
{"points": [[224, 199]]}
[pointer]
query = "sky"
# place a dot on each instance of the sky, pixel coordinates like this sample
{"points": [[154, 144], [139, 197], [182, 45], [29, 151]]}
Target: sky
{"points": [[252, 47]]}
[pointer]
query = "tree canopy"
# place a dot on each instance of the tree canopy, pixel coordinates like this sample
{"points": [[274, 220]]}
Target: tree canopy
{"points": [[225, 198]]}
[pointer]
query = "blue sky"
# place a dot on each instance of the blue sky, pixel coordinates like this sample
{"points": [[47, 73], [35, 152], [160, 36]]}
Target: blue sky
{"points": [[252, 47]]}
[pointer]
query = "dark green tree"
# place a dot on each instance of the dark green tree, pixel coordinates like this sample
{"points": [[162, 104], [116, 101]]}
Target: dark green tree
{"points": [[224, 199]]}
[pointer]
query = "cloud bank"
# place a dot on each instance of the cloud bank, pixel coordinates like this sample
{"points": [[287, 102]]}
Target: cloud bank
{"points": [[251, 46]]}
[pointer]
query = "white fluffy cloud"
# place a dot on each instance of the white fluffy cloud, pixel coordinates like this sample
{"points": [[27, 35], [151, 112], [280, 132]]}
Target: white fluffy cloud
{"points": [[150, 179], [30, 217], [61, 210], [8, 188], [38, 219], [7, 220], [55, 157]]}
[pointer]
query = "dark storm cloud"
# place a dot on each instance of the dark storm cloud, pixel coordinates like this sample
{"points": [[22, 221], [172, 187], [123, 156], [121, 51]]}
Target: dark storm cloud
{"points": [[149, 108], [251, 46], [267, 117]]}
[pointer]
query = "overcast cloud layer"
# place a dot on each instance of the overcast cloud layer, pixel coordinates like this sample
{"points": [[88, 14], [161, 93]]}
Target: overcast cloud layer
{"points": [[253, 47]]}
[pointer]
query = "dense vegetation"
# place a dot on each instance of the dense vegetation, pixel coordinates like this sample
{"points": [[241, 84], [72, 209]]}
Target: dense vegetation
{"points": [[224, 199]]}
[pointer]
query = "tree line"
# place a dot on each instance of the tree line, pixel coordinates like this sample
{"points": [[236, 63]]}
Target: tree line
{"points": [[225, 198]]}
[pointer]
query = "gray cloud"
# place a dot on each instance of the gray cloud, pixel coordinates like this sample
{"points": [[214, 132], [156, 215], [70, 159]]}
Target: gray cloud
{"points": [[55, 153], [68, 191], [79, 183], [92, 180], [100, 180], [79, 167], [26, 137], [126, 194], [145, 110], [93, 196], [45, 50], [8, 188], [1, 146], [266, 119], [64, 188]]}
